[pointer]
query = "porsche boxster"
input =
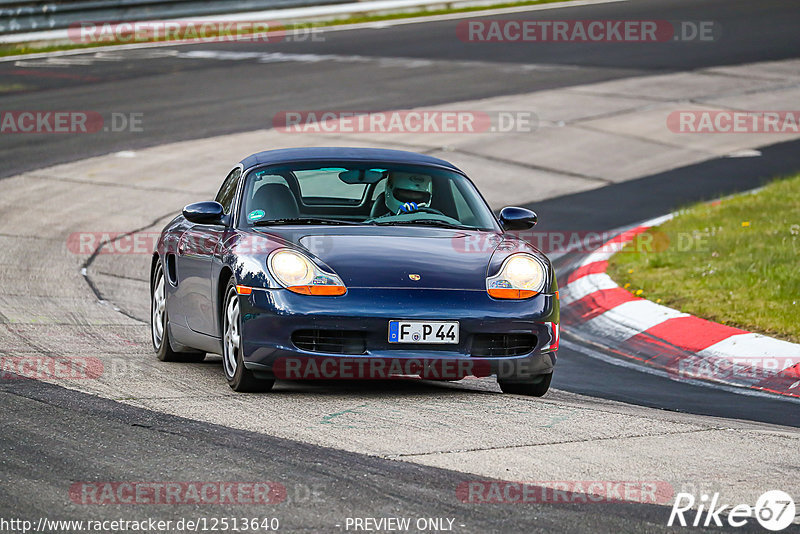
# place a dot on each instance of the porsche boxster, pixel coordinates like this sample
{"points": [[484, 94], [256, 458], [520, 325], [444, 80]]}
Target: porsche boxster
{"points": [[354, 263]]}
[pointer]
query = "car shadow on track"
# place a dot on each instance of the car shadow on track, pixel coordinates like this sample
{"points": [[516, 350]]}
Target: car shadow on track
{"points": [[399, 385], [396, 386]]}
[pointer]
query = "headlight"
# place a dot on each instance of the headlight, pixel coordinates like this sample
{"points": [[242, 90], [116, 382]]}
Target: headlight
{"points": [[299, 274], [291, 269], [521, 276]]}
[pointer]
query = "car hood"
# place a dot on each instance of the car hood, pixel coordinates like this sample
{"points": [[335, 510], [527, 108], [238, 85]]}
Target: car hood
{"points": [[394, 256]]}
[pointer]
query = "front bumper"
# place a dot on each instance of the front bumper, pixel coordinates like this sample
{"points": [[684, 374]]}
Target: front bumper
{"points": [[270, 318]]}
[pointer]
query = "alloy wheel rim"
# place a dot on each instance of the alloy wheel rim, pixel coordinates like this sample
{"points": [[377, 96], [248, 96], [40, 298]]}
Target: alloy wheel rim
{"points": [[232, 337], [158, 320]]}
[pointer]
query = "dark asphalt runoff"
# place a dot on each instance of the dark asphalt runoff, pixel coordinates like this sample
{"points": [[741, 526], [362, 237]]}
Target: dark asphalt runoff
{"points": [[181, 98], [52, 434], [54, 437]]}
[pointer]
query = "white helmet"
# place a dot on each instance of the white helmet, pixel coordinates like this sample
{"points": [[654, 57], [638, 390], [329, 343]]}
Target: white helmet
{"points": [[402, 187]]}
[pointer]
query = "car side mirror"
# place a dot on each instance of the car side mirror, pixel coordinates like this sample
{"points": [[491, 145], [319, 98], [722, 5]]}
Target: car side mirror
{"points": [[513, 218], [208, 212]]}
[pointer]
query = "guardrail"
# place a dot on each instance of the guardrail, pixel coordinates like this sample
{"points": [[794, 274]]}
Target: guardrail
{"points": [[34, 16]]}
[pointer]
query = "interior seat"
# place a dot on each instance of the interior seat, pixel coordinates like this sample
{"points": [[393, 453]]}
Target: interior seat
{"points": [[379, 207], [277, 201]]}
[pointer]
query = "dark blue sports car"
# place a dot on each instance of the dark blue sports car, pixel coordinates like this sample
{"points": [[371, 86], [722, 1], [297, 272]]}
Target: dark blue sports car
{"points": [[354, 263]]}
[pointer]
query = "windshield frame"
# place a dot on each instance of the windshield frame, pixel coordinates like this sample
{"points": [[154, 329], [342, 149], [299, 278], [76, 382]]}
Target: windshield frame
{"points": [[455, 174]]}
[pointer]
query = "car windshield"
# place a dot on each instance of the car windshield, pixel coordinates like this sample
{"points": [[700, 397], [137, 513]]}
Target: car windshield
{"points": [[365, 193]]}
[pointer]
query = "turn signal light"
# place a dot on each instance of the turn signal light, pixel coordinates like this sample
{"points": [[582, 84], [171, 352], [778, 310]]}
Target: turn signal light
{"points": [[504, 293], [244, 290], [324, 290]]}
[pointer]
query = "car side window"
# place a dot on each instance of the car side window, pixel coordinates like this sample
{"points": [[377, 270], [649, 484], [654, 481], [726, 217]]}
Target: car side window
{"points": [[464, 212], [227, 192]]}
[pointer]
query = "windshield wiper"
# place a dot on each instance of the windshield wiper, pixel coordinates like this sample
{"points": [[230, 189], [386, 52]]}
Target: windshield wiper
{"points": [[426, 222], [303, 220]]}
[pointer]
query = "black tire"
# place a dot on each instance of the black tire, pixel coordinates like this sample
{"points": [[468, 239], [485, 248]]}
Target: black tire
{"points": [[159, 330], [535, 388], [238, 376]]}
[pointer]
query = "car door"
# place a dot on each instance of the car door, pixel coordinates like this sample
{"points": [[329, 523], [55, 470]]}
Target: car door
{"points": [[197, 249]]}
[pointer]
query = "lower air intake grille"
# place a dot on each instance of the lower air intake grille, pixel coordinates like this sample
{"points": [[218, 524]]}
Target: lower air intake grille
{"points": [[499, 345], [331, 341]]}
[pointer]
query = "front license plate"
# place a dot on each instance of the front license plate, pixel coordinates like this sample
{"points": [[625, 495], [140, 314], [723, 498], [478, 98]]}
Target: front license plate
{"points": [[423, 332]]}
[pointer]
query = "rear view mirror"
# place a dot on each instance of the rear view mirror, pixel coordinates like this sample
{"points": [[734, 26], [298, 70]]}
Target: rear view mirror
{"points": [[513, 218], [361, 176], [208, 212]]}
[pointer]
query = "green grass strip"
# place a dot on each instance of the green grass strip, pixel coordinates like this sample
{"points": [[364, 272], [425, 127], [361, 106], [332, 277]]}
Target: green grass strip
{"points": [[734, 261]]}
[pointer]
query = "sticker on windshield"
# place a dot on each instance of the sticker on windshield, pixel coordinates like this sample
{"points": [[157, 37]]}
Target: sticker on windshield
{"points": [[255, 215]]}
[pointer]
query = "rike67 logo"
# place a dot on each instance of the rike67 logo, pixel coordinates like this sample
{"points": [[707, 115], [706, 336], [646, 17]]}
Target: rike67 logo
{"points": [[774, 510]]}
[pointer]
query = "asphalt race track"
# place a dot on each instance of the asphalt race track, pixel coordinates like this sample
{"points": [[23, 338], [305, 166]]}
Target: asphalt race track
{"points": [[352, 450], [170, 92]]}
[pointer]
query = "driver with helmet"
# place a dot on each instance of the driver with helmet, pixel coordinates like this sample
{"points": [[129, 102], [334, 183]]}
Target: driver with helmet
{"points": [[407, 192]]}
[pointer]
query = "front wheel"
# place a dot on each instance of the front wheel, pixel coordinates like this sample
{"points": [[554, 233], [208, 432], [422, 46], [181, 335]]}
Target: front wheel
{"points": [[159, 324], [238, 376], [537, 387]]}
